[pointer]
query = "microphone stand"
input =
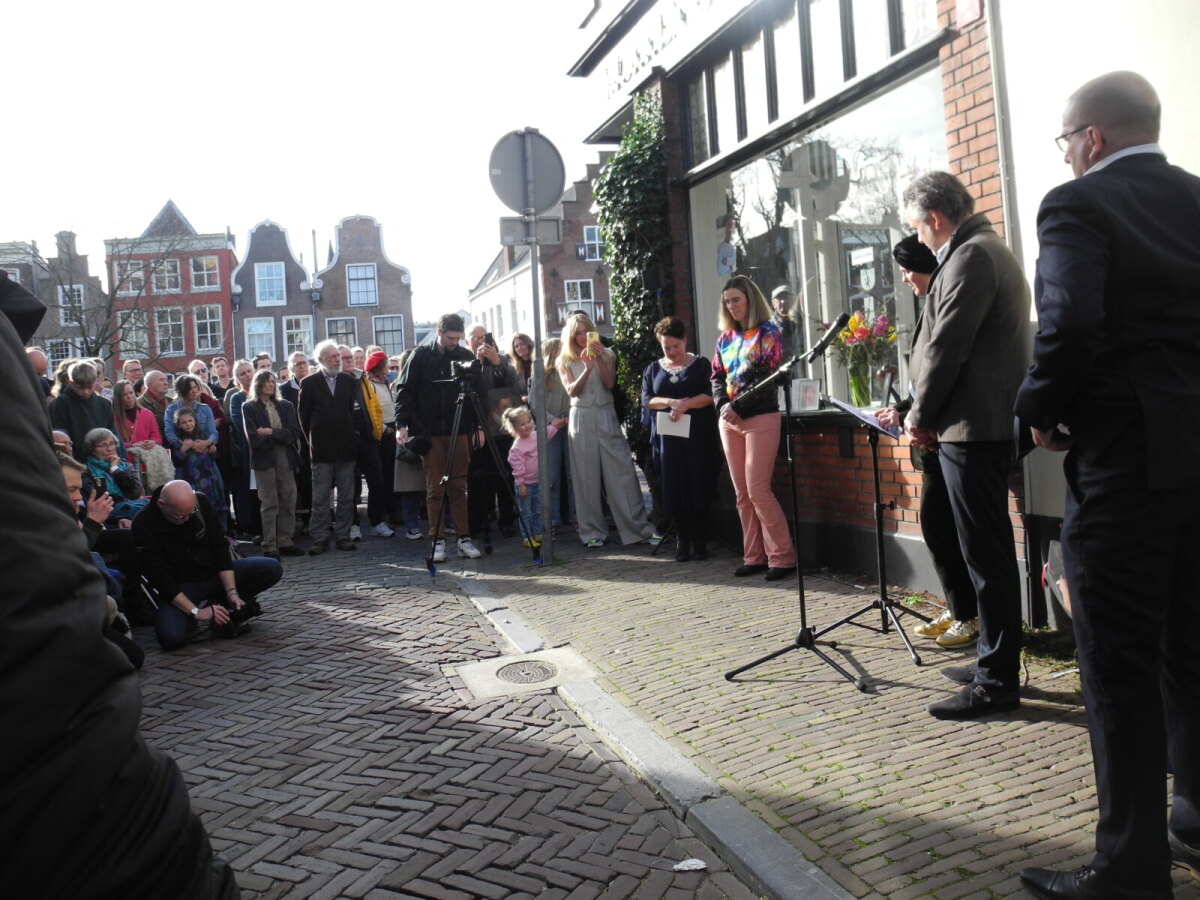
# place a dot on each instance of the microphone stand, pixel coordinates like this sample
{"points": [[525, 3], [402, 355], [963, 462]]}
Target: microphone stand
{"points": [[806, 638]]}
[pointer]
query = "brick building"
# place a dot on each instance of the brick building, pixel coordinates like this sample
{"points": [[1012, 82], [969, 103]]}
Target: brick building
{"points": [[572, 274], [792, 129], [76, 320], [273, 302], [170, 293]]}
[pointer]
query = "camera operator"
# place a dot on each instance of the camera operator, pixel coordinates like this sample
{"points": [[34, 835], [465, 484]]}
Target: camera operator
{"points": [[487, 485], [425, 401]]}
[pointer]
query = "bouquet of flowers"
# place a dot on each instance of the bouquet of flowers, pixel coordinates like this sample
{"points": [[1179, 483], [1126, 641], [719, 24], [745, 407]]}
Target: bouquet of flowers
{"points": [[862, 346]]}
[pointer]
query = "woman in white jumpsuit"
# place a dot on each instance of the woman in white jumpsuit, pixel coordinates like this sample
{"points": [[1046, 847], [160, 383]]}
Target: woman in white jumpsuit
{"points": [[598, 451]]}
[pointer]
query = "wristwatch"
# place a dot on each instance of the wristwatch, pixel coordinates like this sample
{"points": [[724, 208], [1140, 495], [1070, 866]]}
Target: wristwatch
{"points": [[195, 612]]}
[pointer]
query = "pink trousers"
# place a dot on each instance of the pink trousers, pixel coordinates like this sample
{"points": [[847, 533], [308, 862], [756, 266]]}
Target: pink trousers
{"points": [[750, 449]]}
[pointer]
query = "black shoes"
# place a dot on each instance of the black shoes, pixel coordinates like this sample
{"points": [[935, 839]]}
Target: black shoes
{"points": [[748, 569], [271, 554], [1084, 883], [344, 544], [290, 550], [1184, 855], [318, 548], [974, 701], [778, 574], [959, 674]]}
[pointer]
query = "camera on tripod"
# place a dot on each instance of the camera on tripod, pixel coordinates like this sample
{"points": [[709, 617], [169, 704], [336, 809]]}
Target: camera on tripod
{"points": [[462, 369]]}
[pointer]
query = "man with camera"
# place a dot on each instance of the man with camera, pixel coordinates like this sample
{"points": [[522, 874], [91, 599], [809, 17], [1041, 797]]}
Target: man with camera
{"points": [[183, 551], [425, 401]]}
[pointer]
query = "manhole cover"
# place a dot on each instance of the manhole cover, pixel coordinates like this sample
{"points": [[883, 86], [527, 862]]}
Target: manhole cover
{"points": [[527, 671]]}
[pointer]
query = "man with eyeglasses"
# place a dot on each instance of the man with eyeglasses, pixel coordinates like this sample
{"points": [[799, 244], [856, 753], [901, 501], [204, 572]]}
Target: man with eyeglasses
{"points": [[186, 558], [1116, 361]]}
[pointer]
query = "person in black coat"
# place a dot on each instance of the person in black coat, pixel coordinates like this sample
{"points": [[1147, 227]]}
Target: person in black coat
{"points": [[327, 399], [89, 809], [272, 431], [1117, 361]]}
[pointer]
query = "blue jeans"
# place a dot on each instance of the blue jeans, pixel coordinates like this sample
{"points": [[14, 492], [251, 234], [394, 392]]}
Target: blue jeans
{"points": [[531, 508], [410, 504], [251, 577], [560, 473]]}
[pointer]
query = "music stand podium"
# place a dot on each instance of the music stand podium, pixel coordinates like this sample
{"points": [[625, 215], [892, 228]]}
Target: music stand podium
{"points": [[884, 603]]}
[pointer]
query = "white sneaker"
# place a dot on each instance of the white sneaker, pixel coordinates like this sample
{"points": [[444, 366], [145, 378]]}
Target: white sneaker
{"points": [[414, 534], [959, 634], [355, 533], [439, 551], [381, 530], [467, 549]]}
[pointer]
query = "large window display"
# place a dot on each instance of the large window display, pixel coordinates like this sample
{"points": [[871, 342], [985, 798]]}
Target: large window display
{"points": [[818, 216]]}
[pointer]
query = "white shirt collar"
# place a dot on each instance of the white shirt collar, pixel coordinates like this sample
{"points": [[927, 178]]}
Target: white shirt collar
{"points": [[1128, 151]]}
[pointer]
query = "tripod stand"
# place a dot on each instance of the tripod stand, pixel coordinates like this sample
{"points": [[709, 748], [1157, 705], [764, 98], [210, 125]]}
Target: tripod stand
{"points": [[884, 603], [467, 394], [806, 638]]}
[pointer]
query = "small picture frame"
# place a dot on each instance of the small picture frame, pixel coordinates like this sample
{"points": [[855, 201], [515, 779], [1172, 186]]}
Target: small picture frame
{"points": [[807, 394]]}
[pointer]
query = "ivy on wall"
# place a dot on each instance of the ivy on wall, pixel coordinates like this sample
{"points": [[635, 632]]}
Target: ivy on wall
{"points": [[631, 195]]}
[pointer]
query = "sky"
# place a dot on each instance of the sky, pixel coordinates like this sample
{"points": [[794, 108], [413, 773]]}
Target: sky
{"points": [[299, 112]]}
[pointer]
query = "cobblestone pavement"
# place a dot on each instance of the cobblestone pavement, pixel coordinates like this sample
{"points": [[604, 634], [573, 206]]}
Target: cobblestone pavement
{"points": [[330, 754], [885, 799]]}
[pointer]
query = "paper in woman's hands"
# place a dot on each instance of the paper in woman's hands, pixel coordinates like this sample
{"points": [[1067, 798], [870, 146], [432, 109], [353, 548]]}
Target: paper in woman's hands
{"points": [[667, 428]]}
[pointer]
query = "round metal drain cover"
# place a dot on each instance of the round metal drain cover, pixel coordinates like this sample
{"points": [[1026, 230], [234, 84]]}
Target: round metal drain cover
{"points": [[527, 671]]}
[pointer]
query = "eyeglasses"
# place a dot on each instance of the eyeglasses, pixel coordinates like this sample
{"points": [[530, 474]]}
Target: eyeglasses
{"points": [[1064, 139], [177, 517]]}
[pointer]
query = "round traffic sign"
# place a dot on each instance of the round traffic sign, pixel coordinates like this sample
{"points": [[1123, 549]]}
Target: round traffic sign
{"points": [[527, 171]]}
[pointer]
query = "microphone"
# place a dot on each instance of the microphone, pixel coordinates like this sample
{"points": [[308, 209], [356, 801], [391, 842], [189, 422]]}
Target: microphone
{"points": [[827, 338]]}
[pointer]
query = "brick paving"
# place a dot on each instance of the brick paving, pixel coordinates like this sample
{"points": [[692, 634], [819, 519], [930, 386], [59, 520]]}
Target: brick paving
{"points": [[331, 754], [885, 799]]}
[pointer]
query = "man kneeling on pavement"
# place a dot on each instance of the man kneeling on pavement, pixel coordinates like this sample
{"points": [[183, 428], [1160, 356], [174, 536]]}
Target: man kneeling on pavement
{"points": [[186, 557]]}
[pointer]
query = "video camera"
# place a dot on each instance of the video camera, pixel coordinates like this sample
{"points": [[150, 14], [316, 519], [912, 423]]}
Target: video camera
{"points": [[462, 369]]}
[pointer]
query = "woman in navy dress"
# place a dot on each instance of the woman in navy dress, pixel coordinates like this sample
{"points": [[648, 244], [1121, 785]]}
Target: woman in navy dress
{"points": [[678, 385]]}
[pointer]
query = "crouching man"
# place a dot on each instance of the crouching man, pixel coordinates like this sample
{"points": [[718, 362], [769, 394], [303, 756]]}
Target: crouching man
{"points": [[184, 554]]}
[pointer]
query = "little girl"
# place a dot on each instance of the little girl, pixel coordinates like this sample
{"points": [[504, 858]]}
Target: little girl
{"points": [[523, 459], [195, 466]]}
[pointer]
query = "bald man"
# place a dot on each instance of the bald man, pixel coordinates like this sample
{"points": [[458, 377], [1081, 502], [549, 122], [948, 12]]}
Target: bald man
{"points": [[1117, 361], [183, 552]]}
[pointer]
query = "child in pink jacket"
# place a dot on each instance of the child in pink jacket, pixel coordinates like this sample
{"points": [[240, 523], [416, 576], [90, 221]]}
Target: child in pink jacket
{"points": [[523, 459]]}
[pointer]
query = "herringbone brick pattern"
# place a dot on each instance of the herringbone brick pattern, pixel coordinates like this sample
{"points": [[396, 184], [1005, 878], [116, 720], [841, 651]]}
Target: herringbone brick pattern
{"points": [[331, 755], [887, 800]]}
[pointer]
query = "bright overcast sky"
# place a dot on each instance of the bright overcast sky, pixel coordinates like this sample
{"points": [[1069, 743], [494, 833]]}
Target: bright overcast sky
{"points": [[299, 112]]}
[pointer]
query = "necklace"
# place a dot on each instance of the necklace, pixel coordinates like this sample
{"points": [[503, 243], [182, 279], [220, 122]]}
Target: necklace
{"points": [[675, 371]]}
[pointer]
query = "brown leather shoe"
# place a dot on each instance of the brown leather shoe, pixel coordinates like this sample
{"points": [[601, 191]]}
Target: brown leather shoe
{"points": [[318, 548]]}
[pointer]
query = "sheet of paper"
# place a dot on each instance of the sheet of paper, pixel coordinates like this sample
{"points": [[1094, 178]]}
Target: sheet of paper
{"points": [[666, 427]]}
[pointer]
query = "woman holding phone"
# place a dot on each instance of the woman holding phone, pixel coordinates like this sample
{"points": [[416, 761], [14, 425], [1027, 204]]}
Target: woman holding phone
{"points": [[596, 446], [750, 349]]}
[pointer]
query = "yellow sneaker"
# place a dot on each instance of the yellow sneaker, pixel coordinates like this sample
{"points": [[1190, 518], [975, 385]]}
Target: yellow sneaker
{"points": [[959, 634], [934, 628], [535, 541]]}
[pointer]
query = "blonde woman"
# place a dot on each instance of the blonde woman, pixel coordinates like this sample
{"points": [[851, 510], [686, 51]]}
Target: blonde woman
{"points": [[598, 451]]}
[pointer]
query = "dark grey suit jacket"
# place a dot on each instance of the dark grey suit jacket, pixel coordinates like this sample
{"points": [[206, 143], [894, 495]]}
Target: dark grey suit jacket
{"points": [[1118, 293], [971, 347]]}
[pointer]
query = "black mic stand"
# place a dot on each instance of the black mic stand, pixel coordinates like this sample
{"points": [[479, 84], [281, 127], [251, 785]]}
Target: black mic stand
{"points": [[806, 638], [884, 603]]}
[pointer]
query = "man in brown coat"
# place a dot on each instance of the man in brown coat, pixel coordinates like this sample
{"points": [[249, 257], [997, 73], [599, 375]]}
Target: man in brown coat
{"points": [[969, 355]]}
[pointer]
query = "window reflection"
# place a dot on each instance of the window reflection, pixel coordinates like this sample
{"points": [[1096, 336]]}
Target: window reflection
{"points": [[698, 119], [820, 213]]}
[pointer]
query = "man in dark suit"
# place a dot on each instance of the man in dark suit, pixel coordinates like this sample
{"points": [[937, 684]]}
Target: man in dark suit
{"points": [[1117, 361], [968, 357], [326, 412]]}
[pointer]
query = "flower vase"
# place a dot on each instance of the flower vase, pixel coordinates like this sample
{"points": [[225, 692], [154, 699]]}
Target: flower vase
{"points": [[860, 385]]}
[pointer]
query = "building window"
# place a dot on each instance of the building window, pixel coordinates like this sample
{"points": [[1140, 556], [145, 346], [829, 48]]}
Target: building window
{"points": [[389, 334], [823, 210], [592, 245], [919, 18], [59, 349], [166, 277], [133, 340], [754, 83], [725, 103], [579, 297], [70, 304], [206, 274], [168, 331], [697, 118], [360, 285], [14, 275], [297, 334], [209, 332], [269, 288], [130, 275], [344, 331], [260, 337]]}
